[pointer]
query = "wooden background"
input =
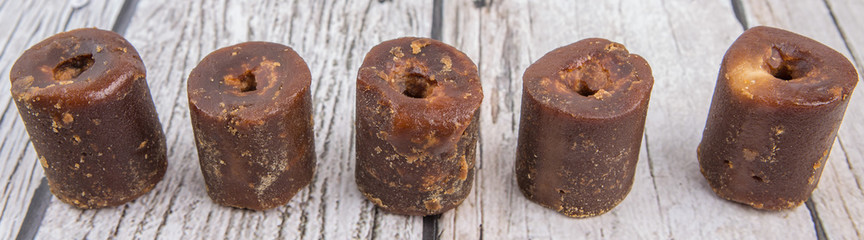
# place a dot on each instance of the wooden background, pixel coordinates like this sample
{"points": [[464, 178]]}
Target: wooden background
{"points": [[683, 40]]}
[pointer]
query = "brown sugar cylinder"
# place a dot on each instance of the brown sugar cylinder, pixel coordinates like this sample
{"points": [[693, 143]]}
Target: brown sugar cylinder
{"points": [[418, 104], [251, 110], [583, 112], [84, 99], [778, 102]]}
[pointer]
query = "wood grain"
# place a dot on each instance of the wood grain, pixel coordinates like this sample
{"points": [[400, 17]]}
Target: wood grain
{"points": [[24, 24], [684, 42], [839, 199], [333, 37]]}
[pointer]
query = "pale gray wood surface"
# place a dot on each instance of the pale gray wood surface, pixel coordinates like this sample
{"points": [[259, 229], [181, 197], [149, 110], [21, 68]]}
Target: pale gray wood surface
{"points": [[683, 41], [25, 23]]}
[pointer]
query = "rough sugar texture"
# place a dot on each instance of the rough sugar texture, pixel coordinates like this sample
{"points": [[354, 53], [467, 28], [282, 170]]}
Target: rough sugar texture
{"points": [[251, 110], [84, 99], [418, 104], [778, 102], [583, 112]]}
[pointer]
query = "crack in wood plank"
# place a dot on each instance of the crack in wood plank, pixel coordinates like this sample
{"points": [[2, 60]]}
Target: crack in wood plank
{"points": [[430, 227], [849, 163], [34, 215], [817, 224], [430, 223], [125, 15], [740, 14], [654, 182]]}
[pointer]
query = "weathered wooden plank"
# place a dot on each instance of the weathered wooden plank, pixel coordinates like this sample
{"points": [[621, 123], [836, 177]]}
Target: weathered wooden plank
{"points": [[846, 14], [333, 37], [684, 42], [839, 199], [25, 24]]}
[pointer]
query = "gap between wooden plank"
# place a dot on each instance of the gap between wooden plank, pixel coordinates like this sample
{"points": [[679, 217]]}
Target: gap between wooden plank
{"points": [[738, 10], [820, 231], [480, 3], [430, 223], [437, 14], [36, 211], [430, 227], [125, 16]]}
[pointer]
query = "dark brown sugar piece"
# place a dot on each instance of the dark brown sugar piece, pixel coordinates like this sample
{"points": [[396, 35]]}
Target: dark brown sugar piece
{"points": [[418, 104], [583, 112], [84, 99], [778, 102], [251, 110]]}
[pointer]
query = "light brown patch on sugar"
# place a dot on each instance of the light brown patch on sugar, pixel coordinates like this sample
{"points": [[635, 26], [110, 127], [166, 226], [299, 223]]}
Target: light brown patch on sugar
{"points": [[397, 52], [448, 64], [67, 118], [432, 205], [463, 168], [417, 45]]}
